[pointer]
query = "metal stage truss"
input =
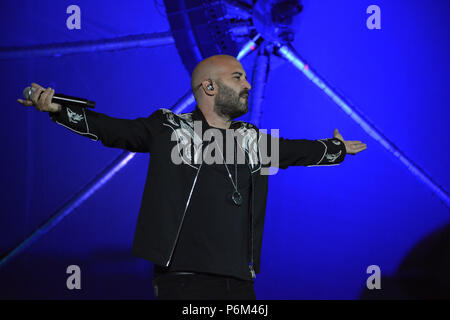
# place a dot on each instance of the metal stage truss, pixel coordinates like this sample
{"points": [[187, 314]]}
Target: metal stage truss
{"points": [[200, 29]]}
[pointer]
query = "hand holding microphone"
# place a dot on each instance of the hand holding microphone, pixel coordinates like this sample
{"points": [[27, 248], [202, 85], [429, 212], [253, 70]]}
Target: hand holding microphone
{"points": [[46, 99], [41, 99]]}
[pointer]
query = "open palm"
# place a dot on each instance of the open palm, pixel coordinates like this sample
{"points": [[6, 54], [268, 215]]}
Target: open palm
{"points": [[351, 146]]}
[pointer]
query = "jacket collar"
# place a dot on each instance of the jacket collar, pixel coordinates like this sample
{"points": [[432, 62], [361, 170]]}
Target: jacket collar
{"points": [[197, 114]]}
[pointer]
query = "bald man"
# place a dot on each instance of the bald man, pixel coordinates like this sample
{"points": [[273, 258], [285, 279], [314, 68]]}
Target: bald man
{"points": [[201, 222], [220, 87]]}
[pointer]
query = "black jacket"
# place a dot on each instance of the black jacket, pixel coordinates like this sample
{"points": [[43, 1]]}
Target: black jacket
{"points": [[169, 186]]}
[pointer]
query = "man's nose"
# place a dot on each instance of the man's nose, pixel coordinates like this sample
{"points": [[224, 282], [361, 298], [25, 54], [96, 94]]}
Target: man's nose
{"points": [[248, 85]]}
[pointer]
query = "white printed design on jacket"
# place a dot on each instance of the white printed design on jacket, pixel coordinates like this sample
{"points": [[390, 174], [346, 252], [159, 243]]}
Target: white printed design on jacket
{"points": [[73, 116], [336, 142], [184, 128], [331, 157], [249, 143]]}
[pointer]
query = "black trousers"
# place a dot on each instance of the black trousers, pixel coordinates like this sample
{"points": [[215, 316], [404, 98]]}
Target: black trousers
{"points": [[202, 286]]}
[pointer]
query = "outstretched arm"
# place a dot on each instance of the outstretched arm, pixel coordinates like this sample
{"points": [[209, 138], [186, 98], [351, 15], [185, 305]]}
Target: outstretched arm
{"points": [[304, 152], [133, 135]]}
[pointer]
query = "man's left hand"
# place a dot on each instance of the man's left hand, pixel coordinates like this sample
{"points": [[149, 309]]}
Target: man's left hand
{"points": [[351, 146]]}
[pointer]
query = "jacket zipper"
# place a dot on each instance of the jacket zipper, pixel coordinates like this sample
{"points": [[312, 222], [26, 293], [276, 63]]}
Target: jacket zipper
{"points": [[252, 271], [184, 213], [250, 266]]}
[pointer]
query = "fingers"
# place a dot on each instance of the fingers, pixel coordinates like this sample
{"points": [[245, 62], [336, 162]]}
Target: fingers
{"points": [[37, 95], [35, 85], [355, 149], [53, 107], [337, 134], [27, 103], [354, 146], [48, 98], [42, 98], [357, 144], [41, 102]]}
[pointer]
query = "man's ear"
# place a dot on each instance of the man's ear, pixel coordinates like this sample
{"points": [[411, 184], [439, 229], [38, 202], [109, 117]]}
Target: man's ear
{"points": [[209, 87]]}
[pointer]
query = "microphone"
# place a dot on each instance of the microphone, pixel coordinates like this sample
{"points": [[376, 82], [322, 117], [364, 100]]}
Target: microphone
{"points": [[61, 99]]}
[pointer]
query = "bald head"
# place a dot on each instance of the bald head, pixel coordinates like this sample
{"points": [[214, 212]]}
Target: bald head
{"points": [[227, 97], [214, 68]]}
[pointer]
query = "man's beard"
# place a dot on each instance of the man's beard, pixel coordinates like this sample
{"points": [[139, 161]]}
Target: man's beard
{"points": [[230, 104]]}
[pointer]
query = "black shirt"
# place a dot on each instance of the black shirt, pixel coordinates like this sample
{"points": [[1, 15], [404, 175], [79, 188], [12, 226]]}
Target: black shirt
{"points": [[214, 235]]}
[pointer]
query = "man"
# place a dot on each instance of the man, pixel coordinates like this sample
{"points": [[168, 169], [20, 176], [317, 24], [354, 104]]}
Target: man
{"points": [[201, 223]]}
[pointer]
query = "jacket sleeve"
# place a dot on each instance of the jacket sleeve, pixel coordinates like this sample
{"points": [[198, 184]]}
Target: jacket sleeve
{"points": [[303, 152], [130, 134]]}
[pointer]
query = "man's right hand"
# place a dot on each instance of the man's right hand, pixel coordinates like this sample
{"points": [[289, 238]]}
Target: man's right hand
{"points": [[42, 102]]}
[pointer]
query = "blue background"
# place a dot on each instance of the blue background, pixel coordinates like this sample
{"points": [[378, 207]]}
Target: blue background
{"points": [[324, 225]]}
